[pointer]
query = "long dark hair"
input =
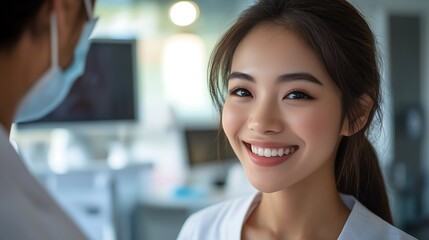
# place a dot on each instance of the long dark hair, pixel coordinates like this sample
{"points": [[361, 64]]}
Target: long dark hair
{"points": [[345, 45], [16, 16]]}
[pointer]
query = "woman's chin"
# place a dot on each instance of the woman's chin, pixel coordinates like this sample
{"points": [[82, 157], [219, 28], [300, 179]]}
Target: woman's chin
{"points": [[266, 185]]}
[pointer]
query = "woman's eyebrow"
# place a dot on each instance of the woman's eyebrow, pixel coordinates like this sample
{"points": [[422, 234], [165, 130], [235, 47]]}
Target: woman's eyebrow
{"points": [[240, 75], [288, 77]]}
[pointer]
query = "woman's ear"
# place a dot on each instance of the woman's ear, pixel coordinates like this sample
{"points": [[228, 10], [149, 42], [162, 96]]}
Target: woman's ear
{"points": [[366, 103]]}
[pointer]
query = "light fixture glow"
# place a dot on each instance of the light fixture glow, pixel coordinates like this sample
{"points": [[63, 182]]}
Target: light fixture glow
{"points": [[183, 72], [184, 13]]}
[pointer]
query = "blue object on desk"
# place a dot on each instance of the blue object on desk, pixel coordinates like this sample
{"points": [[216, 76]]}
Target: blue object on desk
{"points": [[188, 192]]}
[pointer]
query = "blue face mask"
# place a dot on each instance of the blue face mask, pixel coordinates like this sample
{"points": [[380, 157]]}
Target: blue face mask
{"points": [[51, 89]]}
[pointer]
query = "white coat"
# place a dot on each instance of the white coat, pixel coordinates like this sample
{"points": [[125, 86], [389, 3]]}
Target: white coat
{"points": [[225, 221], [27, 211]]}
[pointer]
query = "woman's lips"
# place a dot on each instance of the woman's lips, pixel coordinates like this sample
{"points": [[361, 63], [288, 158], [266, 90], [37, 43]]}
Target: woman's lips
{"points": [[269, 156]]}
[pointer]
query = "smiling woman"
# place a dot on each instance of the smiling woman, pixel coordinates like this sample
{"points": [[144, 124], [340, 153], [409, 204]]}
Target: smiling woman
{"points": [[299, 115], [297, 85]]}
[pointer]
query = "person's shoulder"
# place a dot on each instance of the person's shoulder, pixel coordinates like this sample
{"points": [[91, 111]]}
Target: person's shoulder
{"points": [[364, 224], [221, 219]]}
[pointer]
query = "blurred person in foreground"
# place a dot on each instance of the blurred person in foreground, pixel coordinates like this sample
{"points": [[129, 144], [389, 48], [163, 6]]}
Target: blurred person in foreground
{"points": [[43, 47]]}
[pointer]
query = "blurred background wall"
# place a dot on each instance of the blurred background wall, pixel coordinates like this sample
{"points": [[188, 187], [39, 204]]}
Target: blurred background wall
{"points": [[140, 175]]}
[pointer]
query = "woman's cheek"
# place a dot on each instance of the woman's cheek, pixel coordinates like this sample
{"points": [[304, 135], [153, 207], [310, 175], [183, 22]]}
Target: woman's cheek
{"points": [[314, 124], [232, 119]]}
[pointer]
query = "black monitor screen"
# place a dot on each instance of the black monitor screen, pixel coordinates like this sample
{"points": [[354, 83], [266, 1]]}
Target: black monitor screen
{"points": [[205, 146], [107, 89]]}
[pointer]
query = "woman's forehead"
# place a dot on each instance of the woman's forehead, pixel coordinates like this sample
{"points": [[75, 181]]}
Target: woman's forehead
{"points": [[270, 49]]}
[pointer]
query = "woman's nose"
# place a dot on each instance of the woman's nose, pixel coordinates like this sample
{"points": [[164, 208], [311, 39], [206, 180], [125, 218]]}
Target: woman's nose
{"points": [[265, 118]]}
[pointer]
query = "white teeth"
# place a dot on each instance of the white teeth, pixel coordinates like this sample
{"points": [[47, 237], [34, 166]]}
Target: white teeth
{"points": [[271, 152], [274, 152], [267, 152], [260, 152]]}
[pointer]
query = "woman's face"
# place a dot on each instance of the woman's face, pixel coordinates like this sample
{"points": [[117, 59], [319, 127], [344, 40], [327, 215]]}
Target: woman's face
{"points": [[282, 114]]}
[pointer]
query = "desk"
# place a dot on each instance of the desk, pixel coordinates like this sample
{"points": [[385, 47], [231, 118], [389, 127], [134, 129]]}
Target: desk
{"points": [[101, 200], [161, 216]]}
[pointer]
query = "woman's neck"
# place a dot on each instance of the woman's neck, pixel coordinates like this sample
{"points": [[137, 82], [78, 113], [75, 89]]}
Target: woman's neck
{"points": [[310, 209]]}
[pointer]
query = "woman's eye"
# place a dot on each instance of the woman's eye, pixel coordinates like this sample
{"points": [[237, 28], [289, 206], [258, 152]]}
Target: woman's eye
{"points": [[241, 92], [298, 95]]}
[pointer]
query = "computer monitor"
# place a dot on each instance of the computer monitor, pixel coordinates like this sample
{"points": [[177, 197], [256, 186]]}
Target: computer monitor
{"points": [[207, 146], [209, 156], [106, 92]]}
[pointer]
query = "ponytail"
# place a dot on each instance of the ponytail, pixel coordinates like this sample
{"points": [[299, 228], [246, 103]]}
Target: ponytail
{"points": [[358, 173]]}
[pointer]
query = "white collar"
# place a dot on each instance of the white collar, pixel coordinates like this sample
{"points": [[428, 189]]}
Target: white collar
{"points": [[360, 224]]}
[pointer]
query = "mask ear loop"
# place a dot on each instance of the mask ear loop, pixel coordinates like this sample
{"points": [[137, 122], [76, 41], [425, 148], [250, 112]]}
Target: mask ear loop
{"points": [[88, 9], [54, 40]]}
